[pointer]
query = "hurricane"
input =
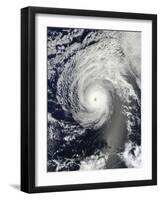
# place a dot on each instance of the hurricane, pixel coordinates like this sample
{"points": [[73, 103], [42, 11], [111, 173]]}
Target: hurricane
{"points": [[94, 99]]}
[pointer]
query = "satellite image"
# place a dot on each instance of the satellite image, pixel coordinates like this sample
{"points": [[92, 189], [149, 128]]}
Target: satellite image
{"points": [[94, 99]]}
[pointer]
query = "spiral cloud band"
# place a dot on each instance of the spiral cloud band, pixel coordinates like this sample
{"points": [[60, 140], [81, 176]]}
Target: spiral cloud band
{"points": [[94, 99]]}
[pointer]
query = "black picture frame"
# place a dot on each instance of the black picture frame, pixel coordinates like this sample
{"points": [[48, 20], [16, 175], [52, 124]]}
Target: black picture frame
{"points": [[28, 98]]}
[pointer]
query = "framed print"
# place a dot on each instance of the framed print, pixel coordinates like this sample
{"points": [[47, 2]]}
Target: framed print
{"points": [[88, 99]]}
